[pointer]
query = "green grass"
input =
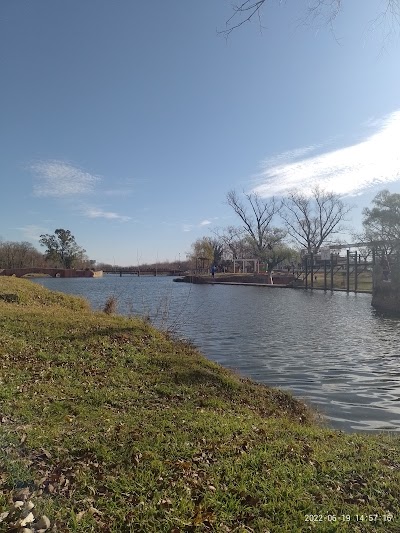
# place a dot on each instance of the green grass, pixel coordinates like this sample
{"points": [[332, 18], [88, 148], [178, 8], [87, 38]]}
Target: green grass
{"points": [[114, 426]]}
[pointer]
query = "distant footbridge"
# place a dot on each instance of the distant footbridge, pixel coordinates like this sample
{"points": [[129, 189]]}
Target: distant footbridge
{"points": [[145, 272]]}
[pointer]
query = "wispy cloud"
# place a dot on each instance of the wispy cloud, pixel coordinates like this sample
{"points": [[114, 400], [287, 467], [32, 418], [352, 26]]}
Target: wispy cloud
{"points": [[375, 160], [122, 186], [190, 227], [117, 192], [32, 232], [94, 212], [59, 179]]}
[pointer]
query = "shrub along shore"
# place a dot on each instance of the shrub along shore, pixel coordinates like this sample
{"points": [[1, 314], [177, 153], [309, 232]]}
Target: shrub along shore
{"points": [[109, 425]]}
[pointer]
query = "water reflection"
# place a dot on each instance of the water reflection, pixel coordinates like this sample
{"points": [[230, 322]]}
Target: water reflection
{"points": [[332, 350]]}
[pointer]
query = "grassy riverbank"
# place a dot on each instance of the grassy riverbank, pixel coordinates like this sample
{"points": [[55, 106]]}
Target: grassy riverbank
{"points": [[109, 425]]}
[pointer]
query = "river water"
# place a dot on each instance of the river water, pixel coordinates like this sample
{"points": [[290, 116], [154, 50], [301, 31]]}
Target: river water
{"points": [[330, 349]]}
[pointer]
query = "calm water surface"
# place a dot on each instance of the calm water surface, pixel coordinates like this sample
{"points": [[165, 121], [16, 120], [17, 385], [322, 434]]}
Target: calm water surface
{"points": [[331, 350]]}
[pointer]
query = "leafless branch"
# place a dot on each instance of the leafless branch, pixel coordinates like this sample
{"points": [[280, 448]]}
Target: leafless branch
{"points": [[256, 216], [324, 12], [311, 220], [248, 10]]}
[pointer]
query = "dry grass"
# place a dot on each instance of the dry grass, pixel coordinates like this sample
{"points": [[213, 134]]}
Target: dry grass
{"points": [[110, 307]]}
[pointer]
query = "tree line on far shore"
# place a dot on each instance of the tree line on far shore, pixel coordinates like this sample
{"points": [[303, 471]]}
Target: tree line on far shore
{"points": [[275, 232], [280, 232], [62, 251]]}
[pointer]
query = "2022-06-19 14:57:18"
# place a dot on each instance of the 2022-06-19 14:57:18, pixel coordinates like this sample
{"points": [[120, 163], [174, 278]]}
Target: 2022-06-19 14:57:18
{"points": [[374, 517]]}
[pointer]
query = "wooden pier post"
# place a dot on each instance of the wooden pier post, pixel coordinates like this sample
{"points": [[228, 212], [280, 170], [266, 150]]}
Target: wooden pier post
{"points": [[312, 270], [306, 271], [373, 268], [355, 272], [348, 271]]}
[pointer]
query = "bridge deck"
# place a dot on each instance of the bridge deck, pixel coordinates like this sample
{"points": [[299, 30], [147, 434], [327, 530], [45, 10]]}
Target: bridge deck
{"points": [[146, 272]]}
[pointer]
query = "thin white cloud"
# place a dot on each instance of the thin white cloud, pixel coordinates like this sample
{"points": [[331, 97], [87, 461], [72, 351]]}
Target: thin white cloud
{"points": [[190, 227], [32, 232], [122, 186], [290, 155], [59, 179], [375, 160], [117, 192], [94, 212]]}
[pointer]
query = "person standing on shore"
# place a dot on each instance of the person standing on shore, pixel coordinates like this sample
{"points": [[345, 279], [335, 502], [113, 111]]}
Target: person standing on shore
{"points": [[213, 269]]}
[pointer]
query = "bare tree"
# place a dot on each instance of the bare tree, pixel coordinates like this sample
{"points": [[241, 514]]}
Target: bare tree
{"points": [[312, 220], [19, 255], [324, 11], [235, 245], [257, 218]]}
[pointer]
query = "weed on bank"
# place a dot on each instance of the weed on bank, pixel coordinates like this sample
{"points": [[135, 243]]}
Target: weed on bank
{"points": [[108, 425]]}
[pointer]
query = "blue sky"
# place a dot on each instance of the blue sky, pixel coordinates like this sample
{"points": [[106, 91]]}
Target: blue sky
{"points": [[127, 122]]}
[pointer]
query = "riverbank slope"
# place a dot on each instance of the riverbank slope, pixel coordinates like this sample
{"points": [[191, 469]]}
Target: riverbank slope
{"points": [[280, 280], [110, 425]]}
